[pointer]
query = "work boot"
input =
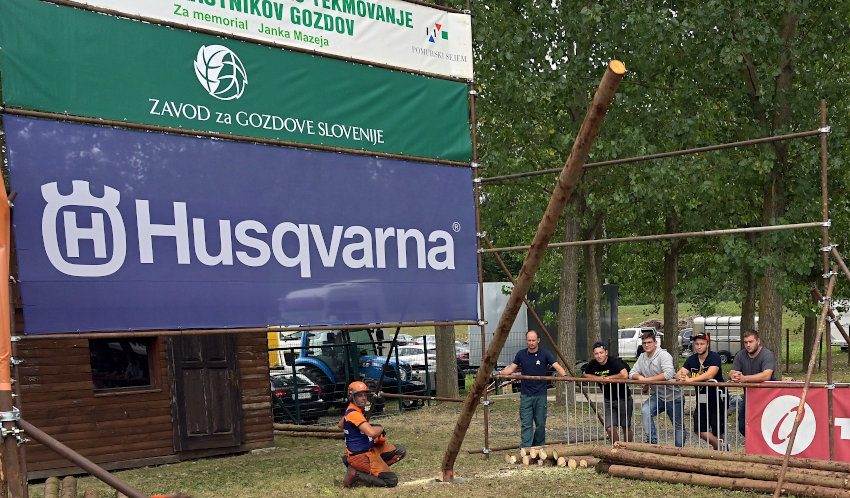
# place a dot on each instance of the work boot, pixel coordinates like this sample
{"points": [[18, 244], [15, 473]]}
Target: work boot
{"points": [[350, 477], [394, 456], [345, 460]]}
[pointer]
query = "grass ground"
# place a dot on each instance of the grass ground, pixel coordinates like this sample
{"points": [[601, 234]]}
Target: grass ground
{"points": [[309, 467]]}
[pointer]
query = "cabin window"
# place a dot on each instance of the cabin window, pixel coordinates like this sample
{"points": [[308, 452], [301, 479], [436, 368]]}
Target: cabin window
{"points": [[121, 364]]}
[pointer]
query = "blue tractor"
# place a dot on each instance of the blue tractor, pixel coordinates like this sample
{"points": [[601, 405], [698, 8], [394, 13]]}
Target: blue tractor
{"points": [[334, 358]]}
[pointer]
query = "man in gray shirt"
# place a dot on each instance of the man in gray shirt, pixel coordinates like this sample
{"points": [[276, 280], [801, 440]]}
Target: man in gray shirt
{"points": [[754, 363], [657, 364]]}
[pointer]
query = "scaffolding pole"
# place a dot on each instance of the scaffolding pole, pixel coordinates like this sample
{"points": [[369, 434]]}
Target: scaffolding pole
{"points": [[671, 236], [664, 155]]}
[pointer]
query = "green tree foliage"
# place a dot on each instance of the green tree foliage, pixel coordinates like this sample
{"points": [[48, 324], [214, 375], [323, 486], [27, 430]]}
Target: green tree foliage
{"points": [[699, 73]]}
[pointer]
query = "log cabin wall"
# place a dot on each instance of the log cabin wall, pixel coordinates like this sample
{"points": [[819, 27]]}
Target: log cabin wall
{"points": [[127, 429]]}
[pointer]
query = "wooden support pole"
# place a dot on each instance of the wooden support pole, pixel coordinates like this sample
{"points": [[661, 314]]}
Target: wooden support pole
{"points": [[827, 338], [320, 435], [307, 428], [739, 484], [567, 181], [801, 407]]}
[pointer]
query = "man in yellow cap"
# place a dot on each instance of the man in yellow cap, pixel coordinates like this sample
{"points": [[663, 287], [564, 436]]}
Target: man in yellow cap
{"points": [[369, 455]]}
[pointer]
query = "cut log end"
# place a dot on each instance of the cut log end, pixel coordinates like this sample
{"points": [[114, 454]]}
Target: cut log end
{"points": [[617, 66]]}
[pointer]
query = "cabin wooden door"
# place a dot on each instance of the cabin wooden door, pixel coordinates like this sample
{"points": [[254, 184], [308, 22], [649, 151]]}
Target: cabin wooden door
{"points": [[205, 398]]}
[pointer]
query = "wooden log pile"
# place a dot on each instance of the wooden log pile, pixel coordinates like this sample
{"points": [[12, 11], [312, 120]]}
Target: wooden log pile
{"points": [[554, 455], [726, 470]]}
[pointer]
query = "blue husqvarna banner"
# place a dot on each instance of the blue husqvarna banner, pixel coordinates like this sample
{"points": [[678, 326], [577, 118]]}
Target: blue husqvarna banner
{"points": [[118, 229]]}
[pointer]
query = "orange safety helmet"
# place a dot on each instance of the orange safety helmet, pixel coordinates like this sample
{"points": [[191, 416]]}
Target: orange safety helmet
{"points": [[356, 387]]}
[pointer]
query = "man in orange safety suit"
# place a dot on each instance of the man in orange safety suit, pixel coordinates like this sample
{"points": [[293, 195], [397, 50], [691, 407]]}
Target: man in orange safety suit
{"points": [[369, 455]]}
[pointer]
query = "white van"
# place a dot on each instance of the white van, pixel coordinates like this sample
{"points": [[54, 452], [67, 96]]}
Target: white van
{"points": [[629, 340], [724, 332], [842, 311]]}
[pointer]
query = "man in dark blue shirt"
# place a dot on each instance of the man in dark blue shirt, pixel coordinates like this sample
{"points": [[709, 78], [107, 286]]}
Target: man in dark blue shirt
{"points": [[710, 416], [533, 404]]}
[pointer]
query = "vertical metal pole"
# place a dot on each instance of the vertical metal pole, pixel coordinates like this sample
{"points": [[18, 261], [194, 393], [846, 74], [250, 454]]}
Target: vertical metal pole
{"points": [[16, 385], [473, 123], [394, 348], [567, 408], [567, 181], [826, 250], [297, 403]]}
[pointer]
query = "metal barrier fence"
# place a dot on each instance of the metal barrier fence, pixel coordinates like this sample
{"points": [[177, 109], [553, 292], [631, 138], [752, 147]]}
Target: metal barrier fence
{"points": [[317, 386], [708, 415]]}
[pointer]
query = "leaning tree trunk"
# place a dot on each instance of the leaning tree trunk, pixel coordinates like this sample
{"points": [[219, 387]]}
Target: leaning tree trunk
{"points": [[593, 280], [446, 361], [568, 299], [671, 301]]}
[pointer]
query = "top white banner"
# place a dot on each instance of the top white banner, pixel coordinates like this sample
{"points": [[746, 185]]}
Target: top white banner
{"points": [[392, 32]]}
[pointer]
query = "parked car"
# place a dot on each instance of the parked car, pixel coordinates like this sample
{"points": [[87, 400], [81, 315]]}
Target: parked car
{"points": [[288, 402], [629, 340], [415, 356], [403, 339], [685, 345], [430, 340], [462, 350]]}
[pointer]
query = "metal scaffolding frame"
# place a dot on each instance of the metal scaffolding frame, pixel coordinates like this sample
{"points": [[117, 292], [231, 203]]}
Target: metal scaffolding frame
{"points": [[827, 250]]}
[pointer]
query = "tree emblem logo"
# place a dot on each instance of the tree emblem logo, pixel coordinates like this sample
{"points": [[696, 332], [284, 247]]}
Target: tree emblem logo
{"points": [[220, 72]]}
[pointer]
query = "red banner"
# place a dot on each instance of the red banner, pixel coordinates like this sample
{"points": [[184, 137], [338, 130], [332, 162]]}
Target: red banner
{"points": [[770, 418]]}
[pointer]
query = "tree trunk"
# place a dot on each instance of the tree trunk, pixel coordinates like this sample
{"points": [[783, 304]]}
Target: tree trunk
{"points": [[775, 193], [567, 302], [446, 361], [671, 301], [748, 305], [593, 281], [770, 318], [810, 323]]}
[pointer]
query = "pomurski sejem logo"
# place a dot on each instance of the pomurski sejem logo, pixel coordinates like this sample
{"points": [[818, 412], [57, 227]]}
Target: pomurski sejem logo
{"points": [[435, 32], [220, 72], [778, 420]]}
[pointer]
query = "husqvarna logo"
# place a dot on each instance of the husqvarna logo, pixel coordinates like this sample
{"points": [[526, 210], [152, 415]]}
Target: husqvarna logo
{"points": [[94, 230], [84, 217]]}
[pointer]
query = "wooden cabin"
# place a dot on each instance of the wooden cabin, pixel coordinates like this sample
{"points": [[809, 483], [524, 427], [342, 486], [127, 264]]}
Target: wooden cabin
{"points": [[131, 402]]}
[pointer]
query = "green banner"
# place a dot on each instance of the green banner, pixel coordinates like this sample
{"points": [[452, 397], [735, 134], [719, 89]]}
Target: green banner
{"points": [[66, 60]]}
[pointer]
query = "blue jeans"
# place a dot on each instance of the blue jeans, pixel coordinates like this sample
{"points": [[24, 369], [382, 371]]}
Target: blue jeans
{"points": [[675, 411], [532, 410]]}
